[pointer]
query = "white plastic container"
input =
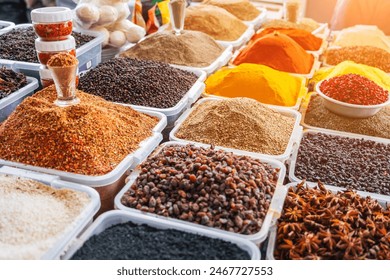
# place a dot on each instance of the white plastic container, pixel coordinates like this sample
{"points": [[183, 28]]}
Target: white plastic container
{"points": [[383, 200], [118, 217], [282, 157], [79, 224], [244, 38], [108, 184], [6, 26], [293, 160], [257, 238], [348, 109], [46, 49], [9, 103]]}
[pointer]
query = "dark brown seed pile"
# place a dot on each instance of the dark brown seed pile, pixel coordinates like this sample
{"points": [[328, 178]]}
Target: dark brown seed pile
{"points": [[19, 44], [205, 186], [319, 224], [345, 162], [138, 82], [10, 81]]}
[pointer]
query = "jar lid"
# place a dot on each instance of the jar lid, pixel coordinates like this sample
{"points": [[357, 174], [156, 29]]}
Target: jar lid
{"points": [[51, 14], [44, 73], [55, 46]]}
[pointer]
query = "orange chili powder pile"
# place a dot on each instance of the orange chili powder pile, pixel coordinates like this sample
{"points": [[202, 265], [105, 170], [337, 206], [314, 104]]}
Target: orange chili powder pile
{"points": [[304, 38], [277, 51]]}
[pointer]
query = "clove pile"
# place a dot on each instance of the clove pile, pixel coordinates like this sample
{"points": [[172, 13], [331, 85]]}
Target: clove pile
{"points": [[10, 82]]}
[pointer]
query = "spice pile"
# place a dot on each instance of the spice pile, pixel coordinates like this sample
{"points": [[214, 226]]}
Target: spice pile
{"points": [[214, 21], [138, 82], [19, 44], [238, 123], [191, 48], [35, 216], [287, 55], [371, 56], [344, 162], [89, 138], [306, 24], [205, 186], [304, 38], [318, 224], [129, 241], [255, 81], [354, 89], [243, 9], [318, 116], [10, 81]]}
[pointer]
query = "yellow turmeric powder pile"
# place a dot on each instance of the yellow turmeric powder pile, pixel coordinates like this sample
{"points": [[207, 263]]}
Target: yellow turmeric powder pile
{"points": [[259, 82]]}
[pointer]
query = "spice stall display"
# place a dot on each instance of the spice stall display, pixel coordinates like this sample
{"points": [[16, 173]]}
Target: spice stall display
{"points": [[120, 235], [38, 220], [277, 51], [320, 224], [259, 82]]}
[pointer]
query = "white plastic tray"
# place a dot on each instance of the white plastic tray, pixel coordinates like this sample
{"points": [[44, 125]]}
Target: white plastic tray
{"points": [[9, 103], [79, 224], [283, 194], [256, 238], [6, 26], [118, 217], [294, 156], [282, 157], [244, 38]]}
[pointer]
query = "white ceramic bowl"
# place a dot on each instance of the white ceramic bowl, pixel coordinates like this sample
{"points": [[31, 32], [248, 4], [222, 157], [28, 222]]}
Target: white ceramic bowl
{"points": [[350, 110]]}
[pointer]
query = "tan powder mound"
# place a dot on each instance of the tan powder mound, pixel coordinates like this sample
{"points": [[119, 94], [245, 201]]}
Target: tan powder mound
{"points": [[238, 123], [242, 9], [89, 138], [214, 21], [192, 48]]}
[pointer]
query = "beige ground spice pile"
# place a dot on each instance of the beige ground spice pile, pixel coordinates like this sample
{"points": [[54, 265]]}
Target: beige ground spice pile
{"points": [[89, 138], [305, 24], [214, 21], [35, 216], [242, 9], [191, 48], [239, 123], [317, 115]]}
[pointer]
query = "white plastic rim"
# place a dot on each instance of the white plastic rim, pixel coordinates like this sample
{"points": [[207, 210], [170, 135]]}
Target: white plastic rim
{"points": [[350, 110], [243, 39], [55, 46], [114, 217], [7, 26], [51, 15]]}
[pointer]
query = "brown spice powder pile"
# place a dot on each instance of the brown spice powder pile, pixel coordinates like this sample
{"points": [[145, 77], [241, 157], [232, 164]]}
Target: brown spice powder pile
{"points": [[214, 21], [368, 55], [239, 123], [317, 115], [62, 60], [191, 48], [35, 216], [242, 9], [305, 24], [89, 138]]}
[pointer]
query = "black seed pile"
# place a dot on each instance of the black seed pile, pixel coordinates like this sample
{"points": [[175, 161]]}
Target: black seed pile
{"points": [[141, 242], [138, 82], [19, 44], [344, 162], [10, 81], [205, 186]]}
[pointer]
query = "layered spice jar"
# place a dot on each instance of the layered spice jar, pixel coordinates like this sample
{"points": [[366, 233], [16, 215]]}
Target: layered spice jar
{"points": [[45, 50]]}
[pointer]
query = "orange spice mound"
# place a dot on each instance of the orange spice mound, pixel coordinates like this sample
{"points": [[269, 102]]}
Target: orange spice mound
{"points": [[305, 39], [277, 51], [62, 59], [89, 138]]}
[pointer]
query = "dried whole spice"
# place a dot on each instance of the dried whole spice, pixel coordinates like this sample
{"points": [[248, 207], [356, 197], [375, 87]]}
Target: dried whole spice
{"points": [[19, 44], [89, 138], [344, 162], [138, 82], [205, 186], [318, 224], [238, 123], [35, 216], [10, 81], [128, 241], [318, 116], [354, 89]]}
